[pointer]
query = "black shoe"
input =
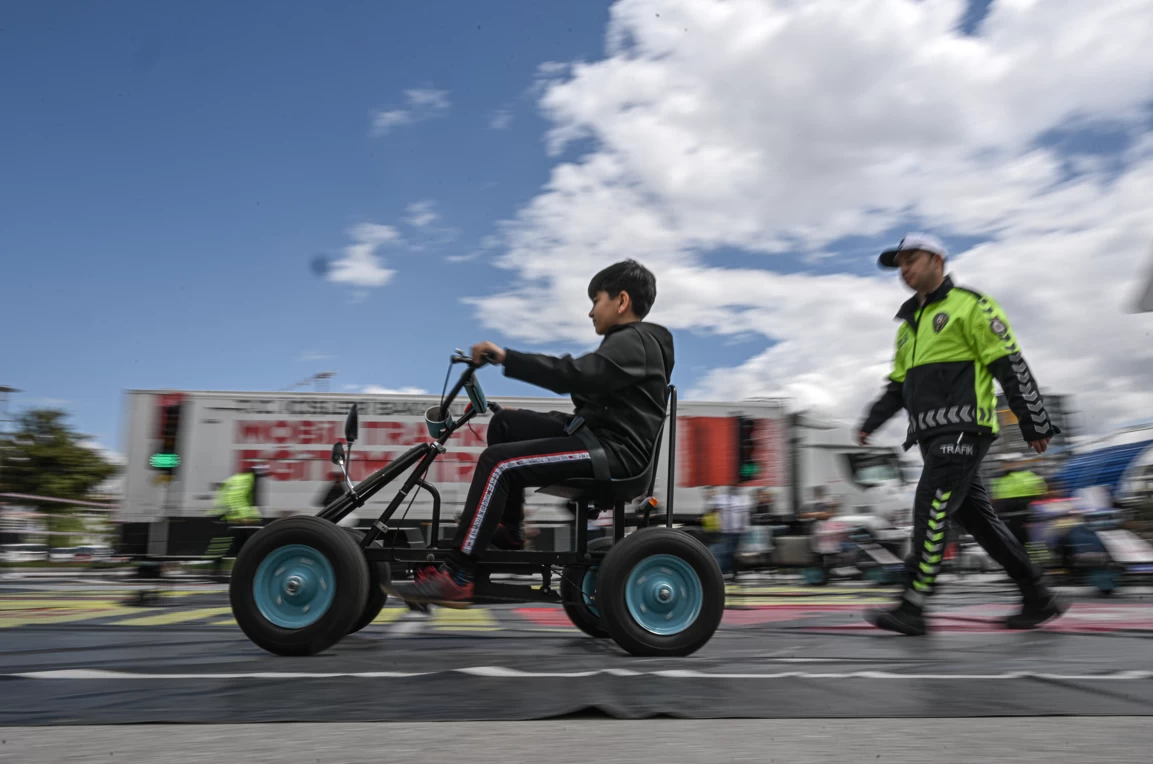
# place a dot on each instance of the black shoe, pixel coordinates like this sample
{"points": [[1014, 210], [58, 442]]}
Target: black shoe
{"points": [[1036, 610], [903, 619], [508, 538]]}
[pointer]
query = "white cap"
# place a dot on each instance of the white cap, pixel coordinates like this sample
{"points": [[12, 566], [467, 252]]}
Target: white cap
{"points": [[926, 242]]}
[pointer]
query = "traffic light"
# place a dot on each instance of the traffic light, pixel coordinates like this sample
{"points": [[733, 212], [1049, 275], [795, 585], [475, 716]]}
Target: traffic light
{"points": [[747, 467], [167, 458]]}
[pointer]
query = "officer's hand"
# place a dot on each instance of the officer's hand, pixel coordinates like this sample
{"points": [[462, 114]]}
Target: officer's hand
{"points": [[1040, 446], [478, 351], [863, 438]]}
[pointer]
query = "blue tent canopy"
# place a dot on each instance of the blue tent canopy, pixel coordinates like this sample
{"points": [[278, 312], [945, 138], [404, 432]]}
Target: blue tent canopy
{"points": [[1102, 467]]}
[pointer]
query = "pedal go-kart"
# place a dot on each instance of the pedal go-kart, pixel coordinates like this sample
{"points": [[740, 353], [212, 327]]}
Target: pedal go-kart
{"points": [[302, 583]]}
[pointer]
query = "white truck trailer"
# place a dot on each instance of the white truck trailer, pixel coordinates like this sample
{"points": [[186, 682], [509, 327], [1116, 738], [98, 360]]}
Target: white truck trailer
{"points": [[181, 444]]}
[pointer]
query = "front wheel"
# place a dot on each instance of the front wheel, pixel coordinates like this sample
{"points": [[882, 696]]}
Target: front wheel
{"points": [[298, 586], [660, 593]]}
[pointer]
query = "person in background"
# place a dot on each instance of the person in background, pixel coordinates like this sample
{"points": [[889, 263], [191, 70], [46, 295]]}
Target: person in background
{"points": [[763, 511], [735, 523], [1013, 492], [237, 512]]}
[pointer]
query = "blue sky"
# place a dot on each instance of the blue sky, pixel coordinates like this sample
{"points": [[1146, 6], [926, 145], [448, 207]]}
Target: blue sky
{"points": [[174, 170], [179, 167]]}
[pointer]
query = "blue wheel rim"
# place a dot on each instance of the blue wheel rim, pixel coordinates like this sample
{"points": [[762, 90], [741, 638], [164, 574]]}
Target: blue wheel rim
{"points": [[589, 590], [664, 594], [294, 586]]}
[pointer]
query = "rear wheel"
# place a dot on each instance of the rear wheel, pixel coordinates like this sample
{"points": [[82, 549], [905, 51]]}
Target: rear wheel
{"points": [[578, 587], [660, 593], [298, 586]]}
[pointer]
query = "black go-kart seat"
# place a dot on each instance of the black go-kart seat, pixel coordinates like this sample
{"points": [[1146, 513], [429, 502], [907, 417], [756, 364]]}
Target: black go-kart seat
{"points": [[609, 493]]}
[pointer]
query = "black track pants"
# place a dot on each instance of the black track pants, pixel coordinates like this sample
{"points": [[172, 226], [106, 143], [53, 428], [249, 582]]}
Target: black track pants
{"points": [[951, 487], [526, 448]]}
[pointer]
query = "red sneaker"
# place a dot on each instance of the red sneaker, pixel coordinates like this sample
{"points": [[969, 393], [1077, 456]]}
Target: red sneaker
{"points": [[435, 587]]}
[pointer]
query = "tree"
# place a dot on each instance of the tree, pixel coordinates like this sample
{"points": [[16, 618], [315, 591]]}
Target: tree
{"points": [[46, 457]]}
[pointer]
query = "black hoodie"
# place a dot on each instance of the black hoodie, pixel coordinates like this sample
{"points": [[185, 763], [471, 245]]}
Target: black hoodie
{"points": [[619, 389]]}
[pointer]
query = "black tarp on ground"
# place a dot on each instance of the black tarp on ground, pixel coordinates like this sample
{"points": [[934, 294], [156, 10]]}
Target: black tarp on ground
{"points": [[798, 669]]}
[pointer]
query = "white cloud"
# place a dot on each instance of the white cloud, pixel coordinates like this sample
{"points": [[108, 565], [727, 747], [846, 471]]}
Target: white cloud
{"points": [[463, 258], [360, 265], [378, 390], [422, 214], [774, 126], [501, 119], [51, 402], [420, 104], [115, 457]]}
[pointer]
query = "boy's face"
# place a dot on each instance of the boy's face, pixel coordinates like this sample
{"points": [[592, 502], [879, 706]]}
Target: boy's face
{"points": [[607, 311], [610, 311]]}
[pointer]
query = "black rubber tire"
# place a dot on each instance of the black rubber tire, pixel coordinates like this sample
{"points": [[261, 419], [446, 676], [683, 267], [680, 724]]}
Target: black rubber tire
{"points": [[572, 597], [614, 574], [379, 576], [350, 585]]}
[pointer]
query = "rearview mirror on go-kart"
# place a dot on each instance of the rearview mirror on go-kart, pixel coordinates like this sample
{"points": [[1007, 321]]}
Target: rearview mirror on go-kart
{"points": [[351, 425], [338, 454]]}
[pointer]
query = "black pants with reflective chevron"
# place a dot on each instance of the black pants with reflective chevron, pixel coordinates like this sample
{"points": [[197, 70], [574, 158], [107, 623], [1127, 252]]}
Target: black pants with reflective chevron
{"points": [[951, 488]]}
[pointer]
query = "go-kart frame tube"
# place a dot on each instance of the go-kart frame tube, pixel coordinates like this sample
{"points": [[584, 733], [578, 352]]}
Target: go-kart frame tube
{"points": [[424, 453]]}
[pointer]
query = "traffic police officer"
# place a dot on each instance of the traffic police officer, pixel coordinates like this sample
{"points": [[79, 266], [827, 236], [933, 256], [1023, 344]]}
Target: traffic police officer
{"points": [[950, 345]]}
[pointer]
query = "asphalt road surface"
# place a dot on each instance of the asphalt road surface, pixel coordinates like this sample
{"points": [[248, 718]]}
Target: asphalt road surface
{"points": [[1023, 740], [74, 654]]}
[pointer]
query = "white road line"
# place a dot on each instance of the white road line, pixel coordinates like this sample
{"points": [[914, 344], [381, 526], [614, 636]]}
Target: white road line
{"points": [[511, 673]]}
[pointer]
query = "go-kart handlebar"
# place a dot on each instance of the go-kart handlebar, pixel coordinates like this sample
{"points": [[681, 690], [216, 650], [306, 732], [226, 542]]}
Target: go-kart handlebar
{"points": [[488, 356], [465, 378]]}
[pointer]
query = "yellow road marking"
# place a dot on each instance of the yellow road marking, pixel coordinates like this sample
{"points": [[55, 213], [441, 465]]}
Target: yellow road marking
{"points": [[179, 616], [449, 619], [55, 604], [806, 590], [797, 602], [390, 614], [31, 619]]}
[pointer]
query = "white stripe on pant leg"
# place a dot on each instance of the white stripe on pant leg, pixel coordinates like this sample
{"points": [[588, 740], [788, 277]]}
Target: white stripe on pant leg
{"points": [[494, 476]]}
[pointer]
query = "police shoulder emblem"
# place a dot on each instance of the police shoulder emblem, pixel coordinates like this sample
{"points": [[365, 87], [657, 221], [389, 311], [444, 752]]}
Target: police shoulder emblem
{"points": [[939, 321], [998, 327]]}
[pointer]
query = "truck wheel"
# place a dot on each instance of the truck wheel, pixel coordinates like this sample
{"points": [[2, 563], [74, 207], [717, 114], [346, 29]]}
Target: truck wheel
{"points": [[578, 587], [379, 576], [660, 593], [298, 586]]}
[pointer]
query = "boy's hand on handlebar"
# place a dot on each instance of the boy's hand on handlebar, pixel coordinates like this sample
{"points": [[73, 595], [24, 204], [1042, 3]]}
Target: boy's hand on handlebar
{"points": [[494, 352]]}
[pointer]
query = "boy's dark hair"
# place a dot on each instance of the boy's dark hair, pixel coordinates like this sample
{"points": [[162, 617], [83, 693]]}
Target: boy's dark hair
{"points": [[627, 276]]}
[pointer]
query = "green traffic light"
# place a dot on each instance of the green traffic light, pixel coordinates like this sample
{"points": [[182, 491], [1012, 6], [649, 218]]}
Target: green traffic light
{"points": [[165, 461]]}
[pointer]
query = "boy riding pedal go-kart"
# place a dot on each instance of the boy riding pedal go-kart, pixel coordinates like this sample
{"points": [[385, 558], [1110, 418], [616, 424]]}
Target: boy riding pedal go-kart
{"points": [[618, 392]]}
